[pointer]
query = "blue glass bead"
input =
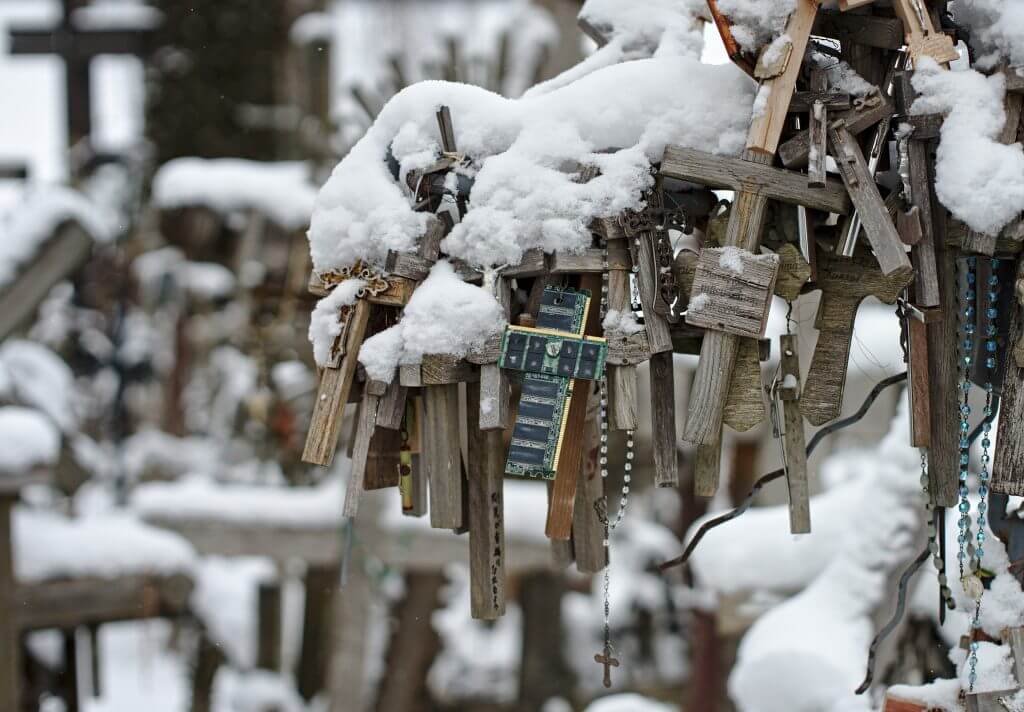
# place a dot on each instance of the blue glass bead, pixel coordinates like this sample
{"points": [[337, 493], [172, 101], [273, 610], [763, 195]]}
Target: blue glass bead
{"points": [[971, 277], [965, 521], [963, 475], [964, 458], [983, 491], [995, 263], [964, 492], [962, 555], [981, 520], [990, 346], [993, 279], [964, 427], [969, 313], [985, 459], [965, 507], [987, 411], [968, 344], [981, 537], [972, 262], [962, 538], [969, 328], [988, 387], [970, 295], [972, 678], [985, 442], [991, 313], [990, 330], [974, 646], [979, 552], [993, 297], [990, 362], [982, 507], [968, 360]]}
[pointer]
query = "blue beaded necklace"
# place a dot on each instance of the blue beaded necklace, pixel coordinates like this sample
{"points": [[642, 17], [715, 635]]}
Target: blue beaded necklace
{"points": [[971, 557]]}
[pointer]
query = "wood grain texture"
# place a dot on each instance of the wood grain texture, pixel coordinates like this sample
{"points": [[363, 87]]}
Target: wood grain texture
{"points": [[442, 457], [943, 457], [844, 284], [332, 395], [622, 380], [382, 460], [663, 420], [732, 291], [495, 393], [366, 418], [659, 338], [715, 171], [590, 260], [874, 217], [444, 369], [794, 272], [999, 701], [1008, 459], [486, 463], [1015, 638], [795, 151], [707, 467], [744, 408], [570, 460], [766, 128], [793, 442], [391, 408], [917, 371], [921, 37], [923, 255], [587, 530]]}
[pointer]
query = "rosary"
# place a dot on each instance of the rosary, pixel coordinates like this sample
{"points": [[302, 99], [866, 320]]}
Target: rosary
{"points": [[971, 556], [606, 658]]}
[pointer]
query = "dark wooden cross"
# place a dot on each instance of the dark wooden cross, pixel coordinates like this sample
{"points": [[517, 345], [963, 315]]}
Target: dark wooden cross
{"points": [[609, 662], [77, 46]]}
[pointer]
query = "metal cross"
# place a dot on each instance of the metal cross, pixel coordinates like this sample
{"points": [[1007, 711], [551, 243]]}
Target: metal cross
{"points": [[609, 662]]}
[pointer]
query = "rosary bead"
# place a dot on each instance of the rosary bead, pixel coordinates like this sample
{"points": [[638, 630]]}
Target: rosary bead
{"points": [[629, 454], [980, 553], [991, 331], [965, 507], [993, 279], [969, 328], [990, 362], [972, 261], [933, 547], [969, 313], [968, 344], [994, 262], [964, 427], [964, 458], [627, 467], [968, 360], [985, 442], [964, 491], [969, 295], [981, 537], [942, 576], [983, 491], [604, 460], [964, 443]]}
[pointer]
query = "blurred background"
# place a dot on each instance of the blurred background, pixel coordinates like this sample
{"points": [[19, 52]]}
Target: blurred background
{"points": [[159, 161]]}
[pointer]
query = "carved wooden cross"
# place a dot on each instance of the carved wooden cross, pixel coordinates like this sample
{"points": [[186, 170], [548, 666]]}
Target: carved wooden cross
{"points": [[609, 662], [844, 284], [77, 47]]}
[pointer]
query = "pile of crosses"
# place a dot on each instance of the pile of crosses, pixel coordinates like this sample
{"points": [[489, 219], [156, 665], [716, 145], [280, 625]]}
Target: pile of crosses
{"points": [[875, 230]]}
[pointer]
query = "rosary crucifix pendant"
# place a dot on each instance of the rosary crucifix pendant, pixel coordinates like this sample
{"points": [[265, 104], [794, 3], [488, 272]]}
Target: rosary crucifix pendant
{"points": [[608, 661]]}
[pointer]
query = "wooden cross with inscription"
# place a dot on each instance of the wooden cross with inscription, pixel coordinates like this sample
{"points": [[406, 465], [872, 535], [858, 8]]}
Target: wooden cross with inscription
{"points": [[719, 349], [77, 46]]}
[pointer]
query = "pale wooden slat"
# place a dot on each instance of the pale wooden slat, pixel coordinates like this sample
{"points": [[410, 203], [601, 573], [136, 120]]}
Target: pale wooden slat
{"points": [[441, 456]]}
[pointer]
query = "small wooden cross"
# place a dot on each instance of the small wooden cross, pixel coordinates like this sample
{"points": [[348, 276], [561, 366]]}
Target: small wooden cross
{"points": [[609, 662]]}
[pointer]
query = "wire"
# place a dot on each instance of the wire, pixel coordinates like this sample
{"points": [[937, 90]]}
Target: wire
{"points": [[776, 474]]}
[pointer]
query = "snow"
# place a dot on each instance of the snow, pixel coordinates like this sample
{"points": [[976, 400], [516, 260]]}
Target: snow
{"points": [[312, 27], [731, 258], [325, 324], [197, 498], [698, 302], [38, 378], [444, 316], [811, 649], [941, 694], [980, 180], [629, 702], [27, 440], [789, 381], [116, 15], [225, 599], [48, 545], [282, 191], [623, 322], [41, 211], [207, 280], [997, 29], [522, 197], [755, 22], [773, 51]]}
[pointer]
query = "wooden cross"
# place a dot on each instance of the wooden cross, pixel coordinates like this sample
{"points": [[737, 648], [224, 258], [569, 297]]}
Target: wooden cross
{"points": [[608, 662], [719, 350], [844, 284], [920, 33], [793, 444], [77, 47]]}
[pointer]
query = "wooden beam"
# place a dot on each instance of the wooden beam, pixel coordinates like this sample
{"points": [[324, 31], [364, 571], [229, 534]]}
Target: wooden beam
{"points": [[869, 30], [794, 445], [735, 173], [442, 457], [486, 465], [795, 151], [1008, 459], [10, 635]]}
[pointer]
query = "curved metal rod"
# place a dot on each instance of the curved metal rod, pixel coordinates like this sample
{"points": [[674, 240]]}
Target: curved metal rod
{"points": [[775, 474], [905, 578], [901, 604]]}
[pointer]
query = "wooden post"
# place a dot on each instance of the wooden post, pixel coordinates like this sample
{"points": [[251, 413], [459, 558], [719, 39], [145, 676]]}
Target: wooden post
{"points": [[10, 636], [321, 590], [817, 126], [268, 652], [587, 529], [1008, 459], [622, 380], [563, 493], [543, 672], [441, 457], [718, 352], [794, 445], [486, 464], [663, 419]]}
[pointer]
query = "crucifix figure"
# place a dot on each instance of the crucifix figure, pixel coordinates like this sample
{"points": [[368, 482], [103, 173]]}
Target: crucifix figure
{"points": [[609, 662], [77, 44]]}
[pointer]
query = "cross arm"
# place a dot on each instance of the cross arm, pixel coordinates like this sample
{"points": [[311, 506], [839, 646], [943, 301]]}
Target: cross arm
{"points": [[737, 174]]}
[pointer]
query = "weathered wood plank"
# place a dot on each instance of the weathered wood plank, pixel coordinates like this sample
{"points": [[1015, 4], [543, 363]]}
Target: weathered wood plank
{"points": [[622, 379], [587, 531], [10, 639], [921, 36], [735, 173], [367, 416], [707, 467], [663, 419], [486, 463], [590, 260], [391, 408], [335, 384], [732, 291], [795, 151], [1008, 459], [442, 369], [268, 604], [659, 337], [874, 217], [744, 407], [495, 391], [917, 372], [794, 445], [442, 459]]}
